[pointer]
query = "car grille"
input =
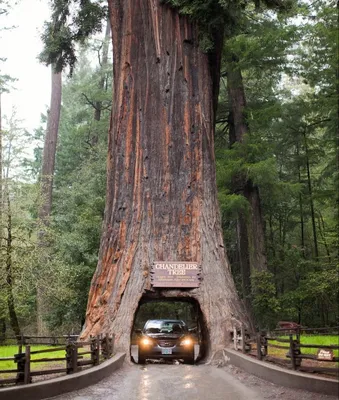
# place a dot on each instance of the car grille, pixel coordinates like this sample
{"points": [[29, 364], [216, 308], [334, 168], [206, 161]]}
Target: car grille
{"points": [[167, 343]]}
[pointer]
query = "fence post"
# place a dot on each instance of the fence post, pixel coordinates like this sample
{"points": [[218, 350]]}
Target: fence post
{"points": [[68, 358], [105, 347], [112, 342], [71, 358], [259, 354], [292, 353], [95, 350], [75, 357], [19, 359], [235, 338], [265, 344], [243, 340], [298, 335], [27, 367]]}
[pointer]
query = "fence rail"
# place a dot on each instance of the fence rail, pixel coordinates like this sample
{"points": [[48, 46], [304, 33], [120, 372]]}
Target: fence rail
{"points": [[101, 348], [260, 344], [52, 340]]}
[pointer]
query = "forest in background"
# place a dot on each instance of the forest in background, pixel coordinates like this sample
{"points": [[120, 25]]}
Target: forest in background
{"points": [[280, 171]]}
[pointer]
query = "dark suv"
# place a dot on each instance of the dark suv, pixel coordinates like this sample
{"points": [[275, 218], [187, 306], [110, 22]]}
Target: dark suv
{"points": [[165, 338]]}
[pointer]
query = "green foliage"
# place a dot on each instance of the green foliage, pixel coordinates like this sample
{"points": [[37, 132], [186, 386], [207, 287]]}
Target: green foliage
{"points": [[289, 73], [5, 81], [73, 21], [80, 184], [265, 304], [78, 204], [5, 6], [18, 244], [290, 77], [215, 16], [166, 310]]}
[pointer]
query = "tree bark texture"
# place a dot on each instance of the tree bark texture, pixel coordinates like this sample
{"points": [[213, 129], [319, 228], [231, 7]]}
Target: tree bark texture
{"points": [[46, 190], [250, 229], [48, 160], [161, 191], [238, 129]]}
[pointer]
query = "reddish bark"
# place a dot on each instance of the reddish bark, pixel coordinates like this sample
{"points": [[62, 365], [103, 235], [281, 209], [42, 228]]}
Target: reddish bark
{"points": [[161, 190]]}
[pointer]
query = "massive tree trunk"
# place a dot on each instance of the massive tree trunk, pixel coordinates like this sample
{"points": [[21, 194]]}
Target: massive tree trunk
{"points": [[161, 190], [250, 229], [47, 172]]}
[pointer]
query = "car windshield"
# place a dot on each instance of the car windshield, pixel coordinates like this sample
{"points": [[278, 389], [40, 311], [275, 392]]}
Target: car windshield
{"points": [[165, 327]]}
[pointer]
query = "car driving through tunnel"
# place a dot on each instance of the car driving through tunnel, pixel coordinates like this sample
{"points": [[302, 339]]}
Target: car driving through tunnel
{"points": [[166, 339]]}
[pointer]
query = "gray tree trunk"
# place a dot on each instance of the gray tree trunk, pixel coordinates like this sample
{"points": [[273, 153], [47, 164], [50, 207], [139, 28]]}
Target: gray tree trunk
{"points": [[47, 172], [250, 229]]}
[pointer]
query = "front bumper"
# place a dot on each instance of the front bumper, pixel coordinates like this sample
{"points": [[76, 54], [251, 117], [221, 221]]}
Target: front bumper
{"points": [[176, 352]]}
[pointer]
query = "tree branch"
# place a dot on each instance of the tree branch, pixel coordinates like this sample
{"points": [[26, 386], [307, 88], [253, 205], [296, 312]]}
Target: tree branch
{"points": [[90, 102]]}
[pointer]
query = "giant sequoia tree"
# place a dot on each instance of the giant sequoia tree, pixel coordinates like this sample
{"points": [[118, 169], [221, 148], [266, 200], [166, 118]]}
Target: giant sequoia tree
{"points": [[161, 192]]}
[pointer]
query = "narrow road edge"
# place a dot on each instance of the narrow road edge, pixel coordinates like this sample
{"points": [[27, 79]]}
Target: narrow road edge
{"points": [[63, 384], [283, 377]]}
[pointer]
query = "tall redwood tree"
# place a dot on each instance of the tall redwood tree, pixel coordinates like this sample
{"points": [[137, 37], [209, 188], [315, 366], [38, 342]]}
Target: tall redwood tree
{"points": [[46, 192], [250, 229], [161, 190]]}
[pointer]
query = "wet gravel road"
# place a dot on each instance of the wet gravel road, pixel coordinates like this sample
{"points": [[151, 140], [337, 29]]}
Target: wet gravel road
{"points": [[185, 382], [166, 382]]}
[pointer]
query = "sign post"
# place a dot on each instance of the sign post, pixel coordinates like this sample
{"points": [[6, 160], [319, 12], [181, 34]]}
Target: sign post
{"points": [[175, 274]]}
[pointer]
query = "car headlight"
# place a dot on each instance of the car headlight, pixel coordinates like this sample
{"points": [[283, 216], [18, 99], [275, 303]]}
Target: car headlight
{"points": [[186, 342], [145, 342]]}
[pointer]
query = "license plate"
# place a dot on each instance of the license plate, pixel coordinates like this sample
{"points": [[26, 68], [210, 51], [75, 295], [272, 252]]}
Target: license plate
{"points": [[166, 351]]}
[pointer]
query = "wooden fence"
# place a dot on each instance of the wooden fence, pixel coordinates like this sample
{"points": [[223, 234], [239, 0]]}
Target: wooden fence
{"points": [[259, 345], [97, 348], [43, 340]]}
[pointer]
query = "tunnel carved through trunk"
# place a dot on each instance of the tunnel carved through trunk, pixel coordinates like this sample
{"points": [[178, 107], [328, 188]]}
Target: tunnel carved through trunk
{"points": [[161, 191]]}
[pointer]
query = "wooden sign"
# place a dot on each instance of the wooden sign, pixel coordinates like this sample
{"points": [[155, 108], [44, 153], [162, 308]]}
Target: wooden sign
{"points": [[325, 354], [175, 274]]}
